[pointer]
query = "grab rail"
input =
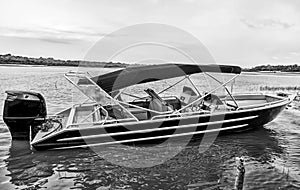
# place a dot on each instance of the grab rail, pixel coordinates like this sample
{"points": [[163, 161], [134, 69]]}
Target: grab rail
{"points": [[261, 105], [180, 114]]}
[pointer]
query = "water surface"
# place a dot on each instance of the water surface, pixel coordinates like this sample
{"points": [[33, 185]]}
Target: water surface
{"points": [[272, 153]]}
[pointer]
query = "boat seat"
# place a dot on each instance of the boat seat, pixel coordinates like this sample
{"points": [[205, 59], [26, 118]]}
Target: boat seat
{"points": [[175, 103], [157, 104], [188, 96], [115, 112]]}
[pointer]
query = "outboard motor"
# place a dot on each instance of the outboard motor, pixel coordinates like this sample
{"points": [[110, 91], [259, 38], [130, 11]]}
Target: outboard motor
{"points": [[22, 110]]}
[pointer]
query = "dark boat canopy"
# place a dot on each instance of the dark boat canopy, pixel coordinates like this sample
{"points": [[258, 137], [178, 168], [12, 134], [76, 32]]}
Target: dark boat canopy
{"points": [[142, 74]]}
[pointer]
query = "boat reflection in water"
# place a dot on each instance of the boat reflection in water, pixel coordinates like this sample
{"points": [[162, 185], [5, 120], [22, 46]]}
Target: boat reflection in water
{"points": [[27, 168]]}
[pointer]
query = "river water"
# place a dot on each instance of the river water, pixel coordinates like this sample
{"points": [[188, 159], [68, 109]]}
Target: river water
{"points": [[271, 153]]}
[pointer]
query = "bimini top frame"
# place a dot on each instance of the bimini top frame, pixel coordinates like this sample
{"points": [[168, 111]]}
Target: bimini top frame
{"points": [[123, 78]]}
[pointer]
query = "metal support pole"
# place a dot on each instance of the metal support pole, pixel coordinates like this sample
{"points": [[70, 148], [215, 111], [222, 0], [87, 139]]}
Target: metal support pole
{"points": [[240, 174]]}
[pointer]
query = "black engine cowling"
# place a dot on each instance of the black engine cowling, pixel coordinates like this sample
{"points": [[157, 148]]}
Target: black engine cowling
{"points": [[22, 110]]}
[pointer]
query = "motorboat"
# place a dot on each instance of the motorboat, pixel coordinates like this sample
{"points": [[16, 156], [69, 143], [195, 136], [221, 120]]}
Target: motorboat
{"points": [[107, 118]]}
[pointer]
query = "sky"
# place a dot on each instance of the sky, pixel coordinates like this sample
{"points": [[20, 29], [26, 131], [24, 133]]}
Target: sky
{"points": [[240, 32]]}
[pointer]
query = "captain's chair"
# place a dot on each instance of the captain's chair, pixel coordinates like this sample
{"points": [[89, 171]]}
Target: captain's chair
{"points": [[188, 96], [156, 103]]}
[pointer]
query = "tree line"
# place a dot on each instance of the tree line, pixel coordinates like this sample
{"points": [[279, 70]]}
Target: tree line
{"points": [[275, 68]]}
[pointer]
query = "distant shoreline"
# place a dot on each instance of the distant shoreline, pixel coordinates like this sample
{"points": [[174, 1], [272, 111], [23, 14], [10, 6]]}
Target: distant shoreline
{"points": [[19, 61], [274, 69], [22, 65], [270, 73], [31, 65]]}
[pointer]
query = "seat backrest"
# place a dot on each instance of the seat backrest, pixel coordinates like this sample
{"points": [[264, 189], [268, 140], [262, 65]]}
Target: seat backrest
{"points": [[188, 95], [157, 105]]}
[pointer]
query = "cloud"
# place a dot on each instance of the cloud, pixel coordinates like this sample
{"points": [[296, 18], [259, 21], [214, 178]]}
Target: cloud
{"points": [[73, 31], [56, 40], [266, 23], [52, 35], [295, 53]]}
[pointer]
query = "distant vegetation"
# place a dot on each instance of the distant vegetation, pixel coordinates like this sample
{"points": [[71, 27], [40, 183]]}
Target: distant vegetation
{"points": [[20, 60], [9, 59], [275, 68]]}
